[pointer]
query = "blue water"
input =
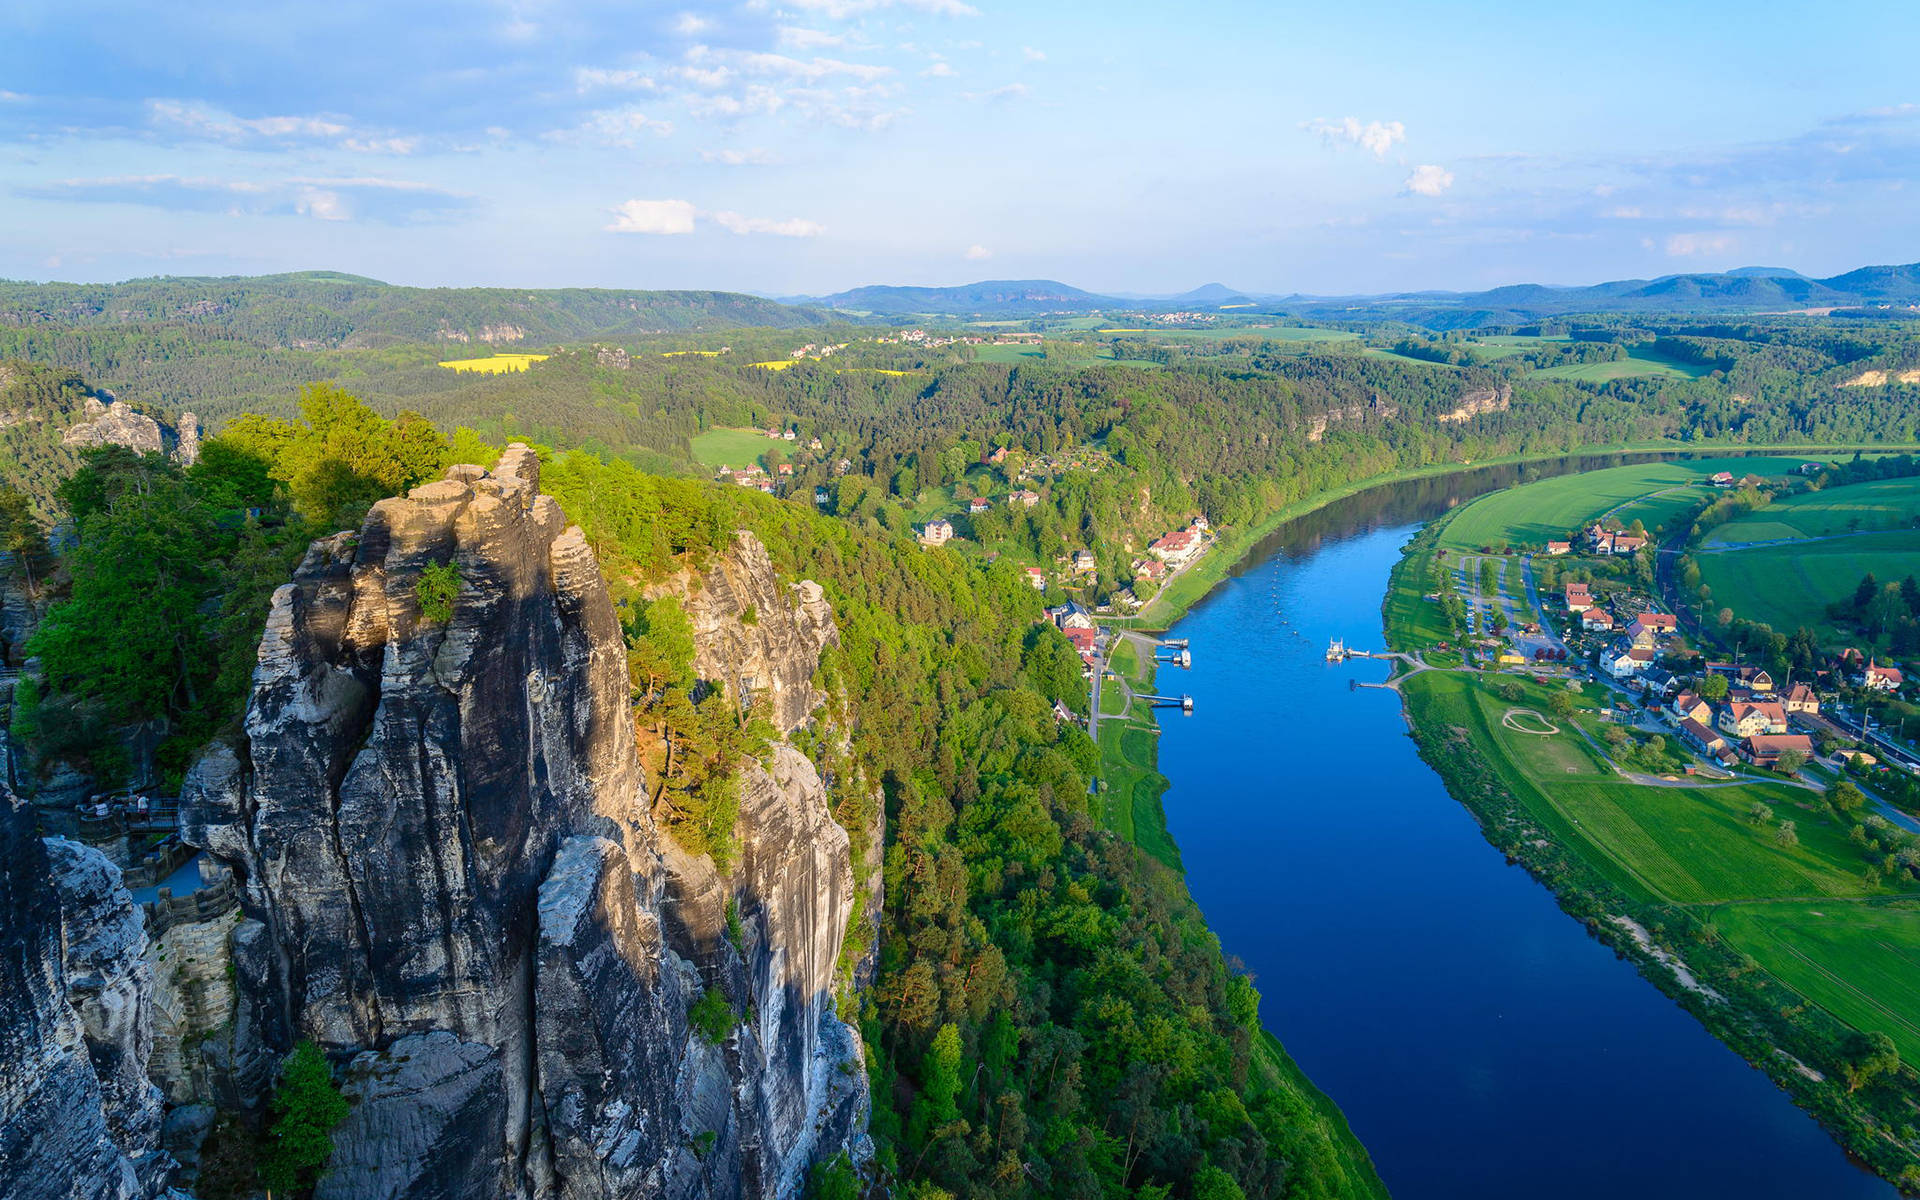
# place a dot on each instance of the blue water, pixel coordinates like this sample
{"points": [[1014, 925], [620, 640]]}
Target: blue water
{"points": [[1481, 1044]]}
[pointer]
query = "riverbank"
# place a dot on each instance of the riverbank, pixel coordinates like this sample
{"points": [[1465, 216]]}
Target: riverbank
{"points": [[1616, 858], [1235, 544]]}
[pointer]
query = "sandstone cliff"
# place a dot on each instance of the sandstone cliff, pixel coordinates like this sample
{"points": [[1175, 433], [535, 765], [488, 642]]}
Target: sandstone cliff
{"points": [[78, 1117], [114, 423], [452, 882]]}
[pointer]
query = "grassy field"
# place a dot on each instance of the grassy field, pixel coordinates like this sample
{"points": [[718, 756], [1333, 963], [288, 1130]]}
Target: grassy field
{"points": [[730, 447], [1684, 845], [1022, 355], [1860, 962], [1534, 513], [1129, 800], [1875, 505], [1638, 362], [1790, 585]]}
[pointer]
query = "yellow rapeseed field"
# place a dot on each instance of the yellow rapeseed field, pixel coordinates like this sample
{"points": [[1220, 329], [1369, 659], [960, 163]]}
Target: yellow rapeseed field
{"points": [[780, 364], [498, 364], [678, 353]]}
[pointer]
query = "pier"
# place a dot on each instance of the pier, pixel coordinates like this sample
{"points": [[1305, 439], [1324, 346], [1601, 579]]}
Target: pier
{"points": [[1183, 703]]}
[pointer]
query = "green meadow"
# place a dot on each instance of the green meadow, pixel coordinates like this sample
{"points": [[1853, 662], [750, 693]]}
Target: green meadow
{"points": [[1791, 584], [1859, 961], [730, 447], [1547, 509], [1638, 363], [1876, 505]]}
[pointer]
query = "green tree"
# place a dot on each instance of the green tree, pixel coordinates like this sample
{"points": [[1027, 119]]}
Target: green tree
{"points": [[937, 1104], [305, 1109], [1713, 689], [1845, 798], [1787, 836], [1865, 1056], [1759, 814], [712, 1016]]}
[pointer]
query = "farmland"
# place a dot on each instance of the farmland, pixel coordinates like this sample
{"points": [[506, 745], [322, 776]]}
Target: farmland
{"points": [[730, 447], [1860, 962], [1875, 505], [1790, 584], [495, 364], [1639, 362], [1654, 493]]}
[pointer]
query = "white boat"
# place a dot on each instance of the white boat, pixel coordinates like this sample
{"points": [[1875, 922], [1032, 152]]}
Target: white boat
{"points": [[1336, 651]]}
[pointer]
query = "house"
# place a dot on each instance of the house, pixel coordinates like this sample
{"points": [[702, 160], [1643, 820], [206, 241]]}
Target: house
{"points": [[1755, 679], [788, 435], [1649, 627], [1037, 579], [978, 505], [1659, 682], [786, 468], [1125, 600], [815, 444], [1691, 706], [1559, 548], [1625, 543], [1877, 678], [1705, 740], [1765, 750], [996, 456], [936, 532], [1747, 719], [1512, 658], [1149, 569], [1200, 525], [1810, 468], [1177, 548], [1025, 498], [1084, 563], [1801, 699], [1599, 538], [1624, 662], [1721, 479], [1579, 599], [1596, 619], [822, 497], [1083, 641]]}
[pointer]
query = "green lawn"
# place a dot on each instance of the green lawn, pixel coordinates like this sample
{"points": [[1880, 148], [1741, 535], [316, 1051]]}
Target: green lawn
{"points": [[1860, 962], [731, 447], [1638, 362], [1684, 845], [1084, 356], [1546, 509], [1876, 505], [1129, 802], [1787, 586], [1413, 621]]}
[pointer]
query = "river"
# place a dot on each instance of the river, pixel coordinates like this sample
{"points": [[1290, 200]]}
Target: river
{"points": [[1480, 1043]]}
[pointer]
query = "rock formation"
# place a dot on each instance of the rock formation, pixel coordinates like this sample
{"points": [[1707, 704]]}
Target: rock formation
{"points": [[452, 881], [1478, 402], [114, 423], [78, 1117]]}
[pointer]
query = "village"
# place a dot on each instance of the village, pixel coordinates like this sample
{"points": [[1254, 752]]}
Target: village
{"points": [[1610, 628]]}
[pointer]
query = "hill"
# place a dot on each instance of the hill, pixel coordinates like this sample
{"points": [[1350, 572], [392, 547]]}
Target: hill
{"points": [[317, 310], [48, 417], [1017, 296]]}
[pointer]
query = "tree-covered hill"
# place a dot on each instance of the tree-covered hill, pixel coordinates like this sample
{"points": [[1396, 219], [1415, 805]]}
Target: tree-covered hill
{"points": [[323, 309]]}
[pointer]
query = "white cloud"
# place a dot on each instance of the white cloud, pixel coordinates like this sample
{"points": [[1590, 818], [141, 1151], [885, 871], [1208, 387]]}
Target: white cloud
{"points": [[1625, 213], [587, 79], [1012, 91], [199, 120], [663, 217], [755, 156], [1376, 137], [840, 10], [1686, 245], [1032, 55], [691, 25], [1429, 180], [760, 63], [976, 253], [7, 97], [940, 70], [733, 222], [671, 217], [614, 127], [755, 100], [796, 38]]}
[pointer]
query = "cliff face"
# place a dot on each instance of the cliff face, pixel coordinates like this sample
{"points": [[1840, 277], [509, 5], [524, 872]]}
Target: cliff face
{"points": [[114, 423], [452, 880], [78, 1117]]}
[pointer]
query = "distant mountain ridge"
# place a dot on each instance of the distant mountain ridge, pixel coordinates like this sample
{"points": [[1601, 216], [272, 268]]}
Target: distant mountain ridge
{"points": [[329, 309], [1750, 289]]}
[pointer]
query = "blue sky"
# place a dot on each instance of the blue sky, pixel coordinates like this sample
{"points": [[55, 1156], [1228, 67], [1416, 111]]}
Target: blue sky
{"points": [[803, 146]]}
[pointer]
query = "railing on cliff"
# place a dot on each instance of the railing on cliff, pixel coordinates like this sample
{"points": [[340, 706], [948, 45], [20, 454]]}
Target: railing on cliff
{"points": [[203, 904]]}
